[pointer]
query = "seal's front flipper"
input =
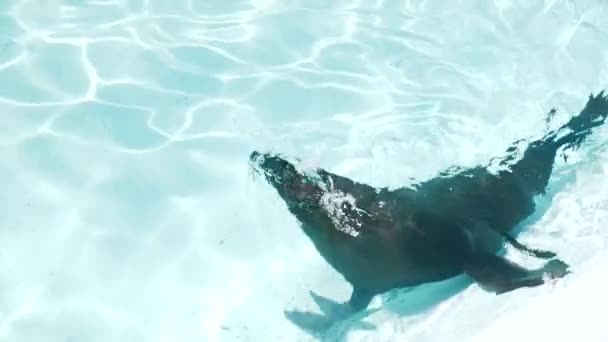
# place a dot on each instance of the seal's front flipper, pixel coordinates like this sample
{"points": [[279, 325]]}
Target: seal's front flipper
{"points": [[360, 299], [351, 313], [358, 302], [499, 275]]}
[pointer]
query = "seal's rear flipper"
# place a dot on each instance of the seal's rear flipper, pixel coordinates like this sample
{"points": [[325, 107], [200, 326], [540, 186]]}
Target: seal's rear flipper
{"points": [[499, 275], [539, 253]]}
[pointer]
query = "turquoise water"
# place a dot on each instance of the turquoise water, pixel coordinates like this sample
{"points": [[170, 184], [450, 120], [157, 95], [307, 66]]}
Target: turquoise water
{"points": [[129, 212]]}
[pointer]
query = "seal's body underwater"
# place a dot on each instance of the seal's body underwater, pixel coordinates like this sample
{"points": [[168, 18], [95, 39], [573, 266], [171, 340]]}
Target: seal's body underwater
{"points": [[381, 239]]}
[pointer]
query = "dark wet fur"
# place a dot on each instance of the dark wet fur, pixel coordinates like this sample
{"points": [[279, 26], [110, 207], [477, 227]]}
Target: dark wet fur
{"points": [[450, 225]]}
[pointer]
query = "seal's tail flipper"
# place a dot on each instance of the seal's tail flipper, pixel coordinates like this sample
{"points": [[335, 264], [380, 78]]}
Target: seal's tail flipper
{"points": [[534, 168], [594, 114], [499, 275]]}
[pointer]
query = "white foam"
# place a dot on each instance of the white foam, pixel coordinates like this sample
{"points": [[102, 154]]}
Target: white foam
{"points": [[333, 202]]}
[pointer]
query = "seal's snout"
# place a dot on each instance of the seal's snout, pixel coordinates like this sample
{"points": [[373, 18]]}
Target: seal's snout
{"points": [[274, 168], [256, 161], [299, 190], [253, 157], [269, 163]]}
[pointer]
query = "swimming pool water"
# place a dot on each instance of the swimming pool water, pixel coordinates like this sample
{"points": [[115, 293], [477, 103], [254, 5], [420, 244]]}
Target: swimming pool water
{"points": [[128, 211]]}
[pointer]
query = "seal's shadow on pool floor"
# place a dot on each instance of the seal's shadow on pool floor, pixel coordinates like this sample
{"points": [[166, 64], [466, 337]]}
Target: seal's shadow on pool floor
{"points": [[329, 325]]}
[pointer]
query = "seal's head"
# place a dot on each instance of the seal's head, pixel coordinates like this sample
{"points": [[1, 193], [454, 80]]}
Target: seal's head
{"points": [[297, 189], [317, 198]]}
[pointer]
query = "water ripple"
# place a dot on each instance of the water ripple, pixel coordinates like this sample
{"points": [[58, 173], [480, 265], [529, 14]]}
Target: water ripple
{"points": [[125, 127]]}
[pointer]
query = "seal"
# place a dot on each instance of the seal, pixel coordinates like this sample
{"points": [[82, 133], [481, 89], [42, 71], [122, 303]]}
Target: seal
{"points": [[458, 222]]}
